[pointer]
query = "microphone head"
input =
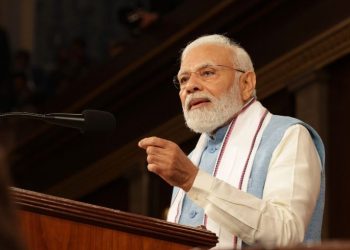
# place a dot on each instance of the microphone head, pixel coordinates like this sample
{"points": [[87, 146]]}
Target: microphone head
{"points": [[96, 120]]}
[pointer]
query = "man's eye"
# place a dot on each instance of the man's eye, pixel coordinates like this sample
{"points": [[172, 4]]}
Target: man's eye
{"points": [[183, 79], [207, 73]]}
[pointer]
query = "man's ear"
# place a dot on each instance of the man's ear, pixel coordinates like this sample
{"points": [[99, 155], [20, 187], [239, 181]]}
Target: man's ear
{"points": [[247, 84]]}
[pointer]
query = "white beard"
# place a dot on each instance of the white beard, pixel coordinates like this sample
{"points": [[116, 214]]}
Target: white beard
{"points": [[221, 110]]}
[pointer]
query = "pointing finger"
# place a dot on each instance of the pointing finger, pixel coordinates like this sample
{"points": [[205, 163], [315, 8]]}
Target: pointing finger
{"points": [[152, 141]]}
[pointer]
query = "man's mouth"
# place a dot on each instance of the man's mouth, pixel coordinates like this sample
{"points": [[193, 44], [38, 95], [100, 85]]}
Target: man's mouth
{"points": [[197, 103]]}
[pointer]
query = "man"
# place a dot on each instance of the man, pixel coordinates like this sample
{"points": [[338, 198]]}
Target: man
{"points": [[253, 178]]}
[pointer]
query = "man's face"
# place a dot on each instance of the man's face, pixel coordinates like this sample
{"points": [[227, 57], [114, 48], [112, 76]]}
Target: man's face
{"points": [[199, 56], [209, 103]]}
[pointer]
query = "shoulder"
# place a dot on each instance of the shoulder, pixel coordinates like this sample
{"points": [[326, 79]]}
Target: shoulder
{"points": [[278, 125], [287, 127], [284, 127], [298, 129], [282, 124]]}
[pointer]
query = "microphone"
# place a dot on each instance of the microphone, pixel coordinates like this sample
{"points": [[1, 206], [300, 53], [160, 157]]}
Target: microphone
{"points": [[88, 121]]}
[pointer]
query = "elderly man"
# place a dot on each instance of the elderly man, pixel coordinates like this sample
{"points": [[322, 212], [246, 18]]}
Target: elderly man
{"points": [[254, 177]]}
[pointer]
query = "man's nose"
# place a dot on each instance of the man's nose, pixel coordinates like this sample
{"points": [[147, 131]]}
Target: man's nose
{"points": [[193, 84]]}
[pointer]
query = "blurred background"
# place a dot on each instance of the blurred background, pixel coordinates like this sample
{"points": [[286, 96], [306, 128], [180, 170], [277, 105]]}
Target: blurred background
{"points": [[120, 56]]}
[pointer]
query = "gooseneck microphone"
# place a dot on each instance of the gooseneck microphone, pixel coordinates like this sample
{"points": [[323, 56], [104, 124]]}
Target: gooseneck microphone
{"points": [[88, 121]]}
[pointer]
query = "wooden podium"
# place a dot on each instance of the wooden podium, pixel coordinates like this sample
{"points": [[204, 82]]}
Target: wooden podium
{"points": [[50, 222]]}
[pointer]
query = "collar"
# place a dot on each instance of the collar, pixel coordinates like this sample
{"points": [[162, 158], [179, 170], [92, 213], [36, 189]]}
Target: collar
{"points": [[219, 135]]}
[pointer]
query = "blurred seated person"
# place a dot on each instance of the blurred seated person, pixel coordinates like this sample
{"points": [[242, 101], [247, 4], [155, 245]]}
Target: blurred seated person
{"points": [[9, 233], [24, 96], [71, 63], [138, 17], [34, 76]]}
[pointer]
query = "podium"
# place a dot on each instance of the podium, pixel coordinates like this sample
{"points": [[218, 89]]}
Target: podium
{"points": [[50, 222]]}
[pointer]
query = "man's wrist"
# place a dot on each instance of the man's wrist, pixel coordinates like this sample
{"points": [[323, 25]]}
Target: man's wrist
{"points": [[189, 183]]}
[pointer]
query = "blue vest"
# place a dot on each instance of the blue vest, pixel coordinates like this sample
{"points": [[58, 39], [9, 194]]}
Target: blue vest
{"points": [[269, 141], [271, 137]]}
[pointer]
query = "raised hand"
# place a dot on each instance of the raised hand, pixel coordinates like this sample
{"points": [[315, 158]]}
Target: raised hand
{"points": [[166, 159]]}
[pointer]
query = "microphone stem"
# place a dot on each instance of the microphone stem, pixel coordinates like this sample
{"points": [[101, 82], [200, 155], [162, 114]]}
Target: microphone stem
{"points": [[23, 115]]}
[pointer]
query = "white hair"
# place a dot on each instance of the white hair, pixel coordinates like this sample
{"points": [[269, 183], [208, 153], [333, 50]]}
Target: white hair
{"points": [[241, 58]]}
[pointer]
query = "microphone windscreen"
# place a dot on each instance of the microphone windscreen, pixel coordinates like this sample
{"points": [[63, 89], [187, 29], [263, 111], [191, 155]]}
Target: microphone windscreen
{"points": [[96, 120]]}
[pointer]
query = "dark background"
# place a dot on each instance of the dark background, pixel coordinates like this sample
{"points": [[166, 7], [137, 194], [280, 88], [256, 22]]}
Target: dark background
{"points": [[85, 54]]}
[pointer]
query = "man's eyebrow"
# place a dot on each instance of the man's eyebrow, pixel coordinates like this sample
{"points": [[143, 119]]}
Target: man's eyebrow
{"points": [[207, 64]]}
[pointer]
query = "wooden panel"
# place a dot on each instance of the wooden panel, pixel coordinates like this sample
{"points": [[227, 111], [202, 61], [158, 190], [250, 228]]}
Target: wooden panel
{"points": [[47, 232], [68, 224]]}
